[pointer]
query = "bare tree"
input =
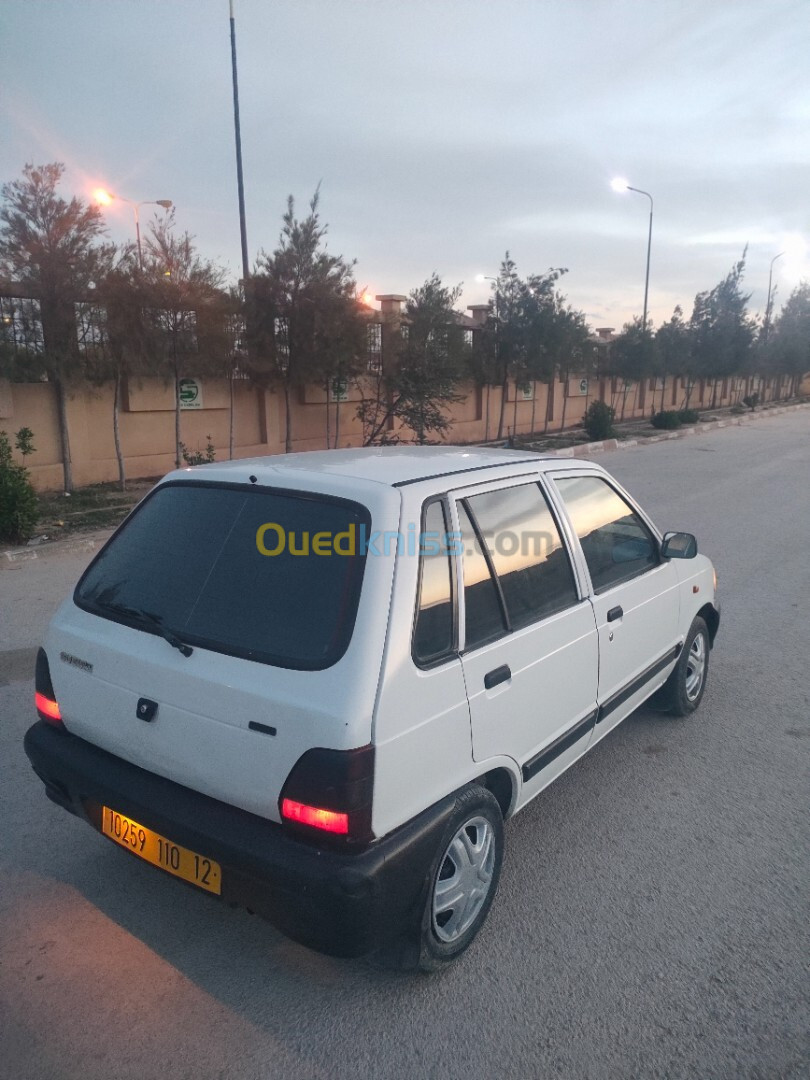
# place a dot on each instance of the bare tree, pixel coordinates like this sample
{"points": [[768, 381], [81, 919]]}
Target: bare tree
{"points": [[50, 247]]}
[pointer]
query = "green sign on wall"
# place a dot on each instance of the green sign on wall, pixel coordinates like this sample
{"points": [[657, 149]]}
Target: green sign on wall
{"points": [[190, 393]]}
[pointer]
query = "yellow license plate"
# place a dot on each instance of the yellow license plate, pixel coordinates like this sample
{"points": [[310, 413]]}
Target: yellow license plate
{"points": [[159, 851]]}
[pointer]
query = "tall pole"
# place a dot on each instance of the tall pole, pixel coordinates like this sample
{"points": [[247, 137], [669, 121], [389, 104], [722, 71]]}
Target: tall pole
{"points": [[105, 197], [239, 176], [647, 277], [138, 235], [649, 248], [767, 325]]}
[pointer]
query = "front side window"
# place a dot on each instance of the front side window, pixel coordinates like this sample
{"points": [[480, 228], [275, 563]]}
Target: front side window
{"points": [[266, 575], [434, 631], [527, 553], [616, 543]]}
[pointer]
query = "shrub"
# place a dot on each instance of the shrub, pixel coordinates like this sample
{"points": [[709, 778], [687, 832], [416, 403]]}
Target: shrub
{"points": [[18, 502], [598, 421], [689, 416], [667, 418], [738, 410], [751, 400], [197, 457]]}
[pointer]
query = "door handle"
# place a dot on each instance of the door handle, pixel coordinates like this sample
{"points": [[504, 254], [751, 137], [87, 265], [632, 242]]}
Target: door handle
{"points": [[498, 675], [614, 614]]}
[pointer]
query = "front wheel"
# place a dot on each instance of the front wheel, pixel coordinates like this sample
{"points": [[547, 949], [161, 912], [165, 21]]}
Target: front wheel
{"points": [[682, 692], [463, 878]]}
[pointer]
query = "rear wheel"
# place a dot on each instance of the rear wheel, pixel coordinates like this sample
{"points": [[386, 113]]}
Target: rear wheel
{"points": [[463, 878], [682, 692]]}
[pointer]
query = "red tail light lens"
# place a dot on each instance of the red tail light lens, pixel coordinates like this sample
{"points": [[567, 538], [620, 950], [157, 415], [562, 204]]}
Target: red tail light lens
{"points": [[330, 792], [48, 710], [44, 697], [328, 820]]}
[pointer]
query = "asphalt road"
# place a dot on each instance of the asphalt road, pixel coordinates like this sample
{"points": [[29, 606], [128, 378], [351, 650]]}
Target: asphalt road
{"points": [[652, 918]]}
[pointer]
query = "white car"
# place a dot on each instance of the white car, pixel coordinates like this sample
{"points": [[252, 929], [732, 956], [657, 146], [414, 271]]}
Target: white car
{"points": [[317, 685]]}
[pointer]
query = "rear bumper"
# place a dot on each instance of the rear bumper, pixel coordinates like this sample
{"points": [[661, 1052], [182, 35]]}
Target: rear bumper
{"points": [[343, 904]]}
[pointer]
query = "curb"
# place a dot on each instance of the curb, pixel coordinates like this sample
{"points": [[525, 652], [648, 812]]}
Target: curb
{"points": [[15, 556], [586, 449]]}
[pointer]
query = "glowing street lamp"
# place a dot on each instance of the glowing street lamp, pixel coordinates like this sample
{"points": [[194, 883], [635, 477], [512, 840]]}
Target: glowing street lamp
{"points": [[106, 198], [620, 185], [481, 278]]}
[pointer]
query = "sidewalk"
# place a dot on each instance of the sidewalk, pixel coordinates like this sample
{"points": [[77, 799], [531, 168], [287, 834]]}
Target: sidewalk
{"points": [[13, 556], [586, 449]]}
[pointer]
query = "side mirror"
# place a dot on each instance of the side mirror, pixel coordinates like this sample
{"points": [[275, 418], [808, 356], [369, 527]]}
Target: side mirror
{"points": [[679, 545]]}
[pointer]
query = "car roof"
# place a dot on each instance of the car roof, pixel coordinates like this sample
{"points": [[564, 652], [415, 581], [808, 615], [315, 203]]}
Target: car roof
{"points": [[392, 466]]}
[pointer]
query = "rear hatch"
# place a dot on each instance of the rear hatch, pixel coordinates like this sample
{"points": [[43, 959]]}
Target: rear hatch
{"points": [[204, 644]]}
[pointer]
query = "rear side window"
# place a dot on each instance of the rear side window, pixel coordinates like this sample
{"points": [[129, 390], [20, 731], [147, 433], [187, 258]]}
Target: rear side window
{"points": [[191, 556], [615, 541], [483, 611], [434, 632]]}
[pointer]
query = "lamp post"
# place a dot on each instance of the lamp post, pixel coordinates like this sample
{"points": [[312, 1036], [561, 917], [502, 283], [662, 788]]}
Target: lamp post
{"points": [[240, 183], [107, 197], [481, 278], [767, 325], [620, 186]]}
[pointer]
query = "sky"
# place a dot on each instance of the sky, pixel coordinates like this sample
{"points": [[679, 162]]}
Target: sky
{"points": [[443, 134]]}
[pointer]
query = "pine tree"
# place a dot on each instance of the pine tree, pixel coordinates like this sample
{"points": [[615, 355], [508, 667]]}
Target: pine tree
{"points": [[305, 323]]}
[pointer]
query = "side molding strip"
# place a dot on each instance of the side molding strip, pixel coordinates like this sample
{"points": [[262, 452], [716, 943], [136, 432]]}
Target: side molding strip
{"points": [[559, 746], [619, 698], [584, 727]]}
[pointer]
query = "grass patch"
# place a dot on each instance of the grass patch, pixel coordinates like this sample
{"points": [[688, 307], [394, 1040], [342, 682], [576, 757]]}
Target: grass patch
{"points": [[100, 506]]}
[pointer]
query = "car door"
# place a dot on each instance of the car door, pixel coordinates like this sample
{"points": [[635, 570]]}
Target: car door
{"points": [[530, 653], [635, 593]]}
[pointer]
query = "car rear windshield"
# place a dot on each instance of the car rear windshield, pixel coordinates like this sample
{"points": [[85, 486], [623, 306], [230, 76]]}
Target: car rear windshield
{"points": [[266, 575]]}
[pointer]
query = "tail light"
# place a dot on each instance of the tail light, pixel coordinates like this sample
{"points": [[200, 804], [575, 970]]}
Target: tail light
{"points": [[44, 697], [330, 792]]}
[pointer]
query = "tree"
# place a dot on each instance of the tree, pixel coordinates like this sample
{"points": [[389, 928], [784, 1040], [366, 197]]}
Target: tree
{"points": [[481, 360], [341, 342], [567, 344], [236, 354], [788, 345], [121, 345], [634, 356], [423, 376], [49, 249], [673, 347], [510, 330], [721, 330], [186, 312], [303, 316], [534, 334]]}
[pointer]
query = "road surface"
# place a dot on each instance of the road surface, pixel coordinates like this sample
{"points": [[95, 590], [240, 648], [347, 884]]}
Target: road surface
{"points": [[652, 918]]}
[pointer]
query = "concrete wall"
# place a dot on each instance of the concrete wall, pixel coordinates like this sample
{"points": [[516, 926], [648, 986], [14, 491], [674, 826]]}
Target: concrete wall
{"points": [[147, 419]]}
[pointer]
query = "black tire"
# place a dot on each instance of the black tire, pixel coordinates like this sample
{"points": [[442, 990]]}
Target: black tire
{"points": [[471, 849], [683, 691]]}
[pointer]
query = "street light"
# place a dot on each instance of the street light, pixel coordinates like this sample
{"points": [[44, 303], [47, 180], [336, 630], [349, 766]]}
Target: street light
{"points": [[481, 278], [621, 185], [105, 198], [767, 325]]}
